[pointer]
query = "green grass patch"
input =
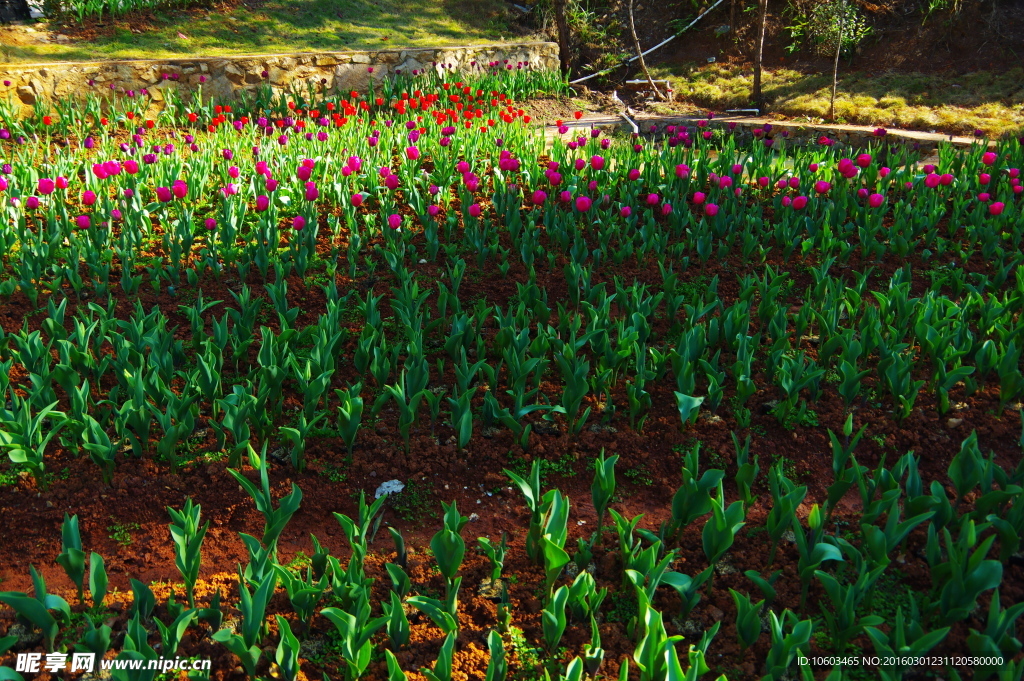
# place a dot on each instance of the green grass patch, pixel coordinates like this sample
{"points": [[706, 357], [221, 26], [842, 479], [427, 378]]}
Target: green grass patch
{"points": [[281, 26], [947, 103]]}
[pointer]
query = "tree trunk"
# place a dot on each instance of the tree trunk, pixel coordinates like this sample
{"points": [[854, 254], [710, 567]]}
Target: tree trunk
{"points": [[835, 69], [762, 18], [640, 53], [732, 18], [563, 35]]}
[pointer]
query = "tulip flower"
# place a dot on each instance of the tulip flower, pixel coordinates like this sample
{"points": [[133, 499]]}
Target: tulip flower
{"points": [[31, 203], [179, 189], [625, 211], [539, 197], [984, 197], [822, 187], [312, 193], [61, 182], [115, 215], [996, 208], [597, 162], [864, 160], [698, 198], [682, 171], [475, 210], [984, 178], [989, 158], [82, 221], [45, 186], [412, 153], [357, 199], [794, 182], [433, 210], [666, 208], [88, 198], [163, 194], [583, 204], [711, 210], [298, 222], [799, 202], [932, 181], [210, 223], [883, 172], [945, 179], [262, 203], [391, 182], [876, 200], [763, 181]]}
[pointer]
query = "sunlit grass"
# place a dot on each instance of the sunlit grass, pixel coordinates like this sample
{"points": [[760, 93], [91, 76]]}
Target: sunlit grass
{"points": [[287, 26], [993, 102]]}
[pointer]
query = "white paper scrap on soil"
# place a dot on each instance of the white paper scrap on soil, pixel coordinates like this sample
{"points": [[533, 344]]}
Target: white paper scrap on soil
{"points": [[389, 487]]}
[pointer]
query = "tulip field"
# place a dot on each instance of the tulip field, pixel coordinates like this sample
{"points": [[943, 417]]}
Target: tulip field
{"points": [[393, 385]]}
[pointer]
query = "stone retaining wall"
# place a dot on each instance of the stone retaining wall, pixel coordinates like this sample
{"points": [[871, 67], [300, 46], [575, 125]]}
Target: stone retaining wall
{"points": [[223, 77]]}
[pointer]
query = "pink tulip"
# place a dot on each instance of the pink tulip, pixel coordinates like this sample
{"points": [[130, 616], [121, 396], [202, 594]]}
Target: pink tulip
{"points": [[210, 223], [298, 222], [115, 215], [131, 167], [794, 182], [763, 181], [864, 160], [625, 211], [539, 197], [666, 208], [412, 153], [698, 198], [45, 186], [580, 164], [597, 162], [3, 184], [303, 173], [876, 200], [799, 202], [391, 182], [82, 221], [475, 210], [583, 204], [813, 167], [984, 178], [88, 198], [984, 197], [786, 201], [394, 221], [179, 189], [433, 210], [737, 168], [883, 172], [945, 179], [711, 210], [62, 183], [725, 182], [996, 208], [653, 199], [163, 194], [312, 193], [822, 187], [989, 158], [262, 203], [862, 193], [932, 181], [31, 203], [565, 196], [682, 171]]}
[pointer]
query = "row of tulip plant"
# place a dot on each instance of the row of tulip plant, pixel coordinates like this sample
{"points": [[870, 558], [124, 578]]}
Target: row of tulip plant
{"points": [[386, 205], [960, 539]]}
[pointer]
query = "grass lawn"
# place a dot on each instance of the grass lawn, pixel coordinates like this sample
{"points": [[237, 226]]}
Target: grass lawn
{"points": [[269, 26], [993, 102]]}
